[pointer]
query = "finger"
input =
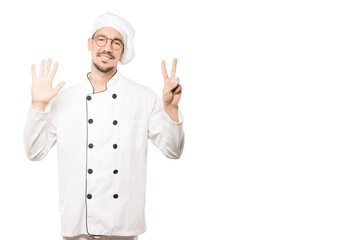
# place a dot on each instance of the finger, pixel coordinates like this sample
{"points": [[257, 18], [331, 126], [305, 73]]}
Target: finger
{"points": [[163, 69], [58, 87], [173, 84], [54, 70], [33, 74], [176, 81], [173, 69], [178, 91], [48, 67], [42, 68]]}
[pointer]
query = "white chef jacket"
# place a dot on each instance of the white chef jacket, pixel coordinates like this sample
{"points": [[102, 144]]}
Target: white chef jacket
{"points": [[102, 152]]}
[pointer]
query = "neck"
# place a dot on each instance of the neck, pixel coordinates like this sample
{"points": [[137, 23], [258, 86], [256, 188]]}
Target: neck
{"points": [[99, 79]]}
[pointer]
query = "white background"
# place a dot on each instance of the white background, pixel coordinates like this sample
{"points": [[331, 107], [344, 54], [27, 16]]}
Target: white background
{"points": [[264, 103]]}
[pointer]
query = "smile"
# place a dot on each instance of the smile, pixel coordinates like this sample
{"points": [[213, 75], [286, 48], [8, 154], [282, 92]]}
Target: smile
{"points": [[105, 57]]}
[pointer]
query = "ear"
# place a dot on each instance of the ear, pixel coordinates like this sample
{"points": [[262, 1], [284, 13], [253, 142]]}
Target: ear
{"points": [[122, 53], [90, 43]]}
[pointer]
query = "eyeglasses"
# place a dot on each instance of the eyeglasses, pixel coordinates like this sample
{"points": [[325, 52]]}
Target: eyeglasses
{"points": [[102, 41]]}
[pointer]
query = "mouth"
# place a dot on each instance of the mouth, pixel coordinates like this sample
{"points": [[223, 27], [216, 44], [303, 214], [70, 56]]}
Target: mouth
{"points": [[105, 57]]}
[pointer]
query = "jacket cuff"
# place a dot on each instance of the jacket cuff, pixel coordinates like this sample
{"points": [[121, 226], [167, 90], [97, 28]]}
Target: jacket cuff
{"points": [[47, 108]]}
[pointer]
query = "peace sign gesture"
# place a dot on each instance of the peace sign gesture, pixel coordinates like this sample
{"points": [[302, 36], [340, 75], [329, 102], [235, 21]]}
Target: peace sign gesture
{"points": [[172, 89]]}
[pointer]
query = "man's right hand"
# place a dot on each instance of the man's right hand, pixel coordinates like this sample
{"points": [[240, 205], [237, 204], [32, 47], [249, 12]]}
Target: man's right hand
{"points": [[41, 87]]}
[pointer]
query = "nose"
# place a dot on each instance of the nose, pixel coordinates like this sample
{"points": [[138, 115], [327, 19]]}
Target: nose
{"points": [[108, 46]]}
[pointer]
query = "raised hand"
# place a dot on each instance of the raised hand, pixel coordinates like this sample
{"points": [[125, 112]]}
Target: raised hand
{"points": [[41, 88], [172, 89]]}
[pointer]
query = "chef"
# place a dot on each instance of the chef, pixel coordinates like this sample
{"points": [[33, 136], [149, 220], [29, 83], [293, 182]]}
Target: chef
{"points": [[101, 127]]}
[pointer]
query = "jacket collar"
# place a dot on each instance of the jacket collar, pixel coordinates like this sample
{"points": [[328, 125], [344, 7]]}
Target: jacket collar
{"points": [[114, 80]]}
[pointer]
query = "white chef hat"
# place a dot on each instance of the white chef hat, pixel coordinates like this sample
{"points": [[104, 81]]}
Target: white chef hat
{"points": [[124, 28]]}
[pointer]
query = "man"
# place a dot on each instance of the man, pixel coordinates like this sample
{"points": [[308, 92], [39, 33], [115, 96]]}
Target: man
{"points": [[101, 127]]}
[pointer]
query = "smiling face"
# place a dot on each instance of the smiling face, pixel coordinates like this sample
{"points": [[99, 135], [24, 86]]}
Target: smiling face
{"points": [[105, 59]]}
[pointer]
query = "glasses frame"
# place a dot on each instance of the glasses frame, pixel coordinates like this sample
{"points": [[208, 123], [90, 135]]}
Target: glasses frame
{"points": [[112, 40]]}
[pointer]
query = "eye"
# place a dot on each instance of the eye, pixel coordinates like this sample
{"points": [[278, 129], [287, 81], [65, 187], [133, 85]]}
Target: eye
{"points": [[101, 39]]}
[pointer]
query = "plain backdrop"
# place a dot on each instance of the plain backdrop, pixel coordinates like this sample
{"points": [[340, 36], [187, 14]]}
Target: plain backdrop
{"points": [[264, 104]]}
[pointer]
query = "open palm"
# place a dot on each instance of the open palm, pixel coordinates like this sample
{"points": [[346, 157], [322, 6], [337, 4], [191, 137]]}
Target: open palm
{"points": [[41, 88]]}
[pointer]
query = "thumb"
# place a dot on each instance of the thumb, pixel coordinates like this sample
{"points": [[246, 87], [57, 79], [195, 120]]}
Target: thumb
{"points": [[173, 84], [58, 87]]}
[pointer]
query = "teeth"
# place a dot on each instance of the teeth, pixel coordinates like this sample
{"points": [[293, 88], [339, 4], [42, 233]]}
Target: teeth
{"points": [[104, 57]]}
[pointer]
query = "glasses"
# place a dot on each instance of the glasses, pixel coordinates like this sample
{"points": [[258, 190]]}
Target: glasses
{"points": [[102, 41]]}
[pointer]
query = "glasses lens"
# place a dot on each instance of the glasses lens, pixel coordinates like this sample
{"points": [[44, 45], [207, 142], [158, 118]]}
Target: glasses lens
{"points": [[101, 41], [116, 44]]}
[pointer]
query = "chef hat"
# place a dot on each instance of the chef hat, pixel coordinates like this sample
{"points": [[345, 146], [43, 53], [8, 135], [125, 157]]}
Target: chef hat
{"points": [[124, 28]]}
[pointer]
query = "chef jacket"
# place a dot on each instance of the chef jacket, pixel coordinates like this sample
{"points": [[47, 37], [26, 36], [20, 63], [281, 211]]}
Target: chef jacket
{"points": [[102, 152]]}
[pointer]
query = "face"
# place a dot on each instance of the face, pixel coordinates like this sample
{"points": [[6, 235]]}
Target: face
{"points": [[105, 59]]}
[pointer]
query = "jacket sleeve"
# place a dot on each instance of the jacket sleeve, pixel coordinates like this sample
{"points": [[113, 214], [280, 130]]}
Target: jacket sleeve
{"points": [[164, 133], [40, 134]]}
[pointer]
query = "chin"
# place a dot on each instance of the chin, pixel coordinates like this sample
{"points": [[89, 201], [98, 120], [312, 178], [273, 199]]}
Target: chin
{"points": [[103, 69]]}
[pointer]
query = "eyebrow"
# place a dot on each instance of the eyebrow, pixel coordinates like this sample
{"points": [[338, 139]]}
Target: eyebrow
{"points": [[102, 35]]}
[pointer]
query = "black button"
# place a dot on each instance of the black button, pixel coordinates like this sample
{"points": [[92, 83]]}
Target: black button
{"points": [[90, 145], [89, 97], [89, 196], [115, 122], [114, 146], [90, 171], [115, 195], [115, 171], [90, 120], [114, 95]]}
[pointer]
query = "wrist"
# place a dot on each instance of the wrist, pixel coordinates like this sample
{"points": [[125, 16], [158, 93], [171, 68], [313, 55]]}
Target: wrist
{"points": [[40, 106], [170, 107], [172, 112]]}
